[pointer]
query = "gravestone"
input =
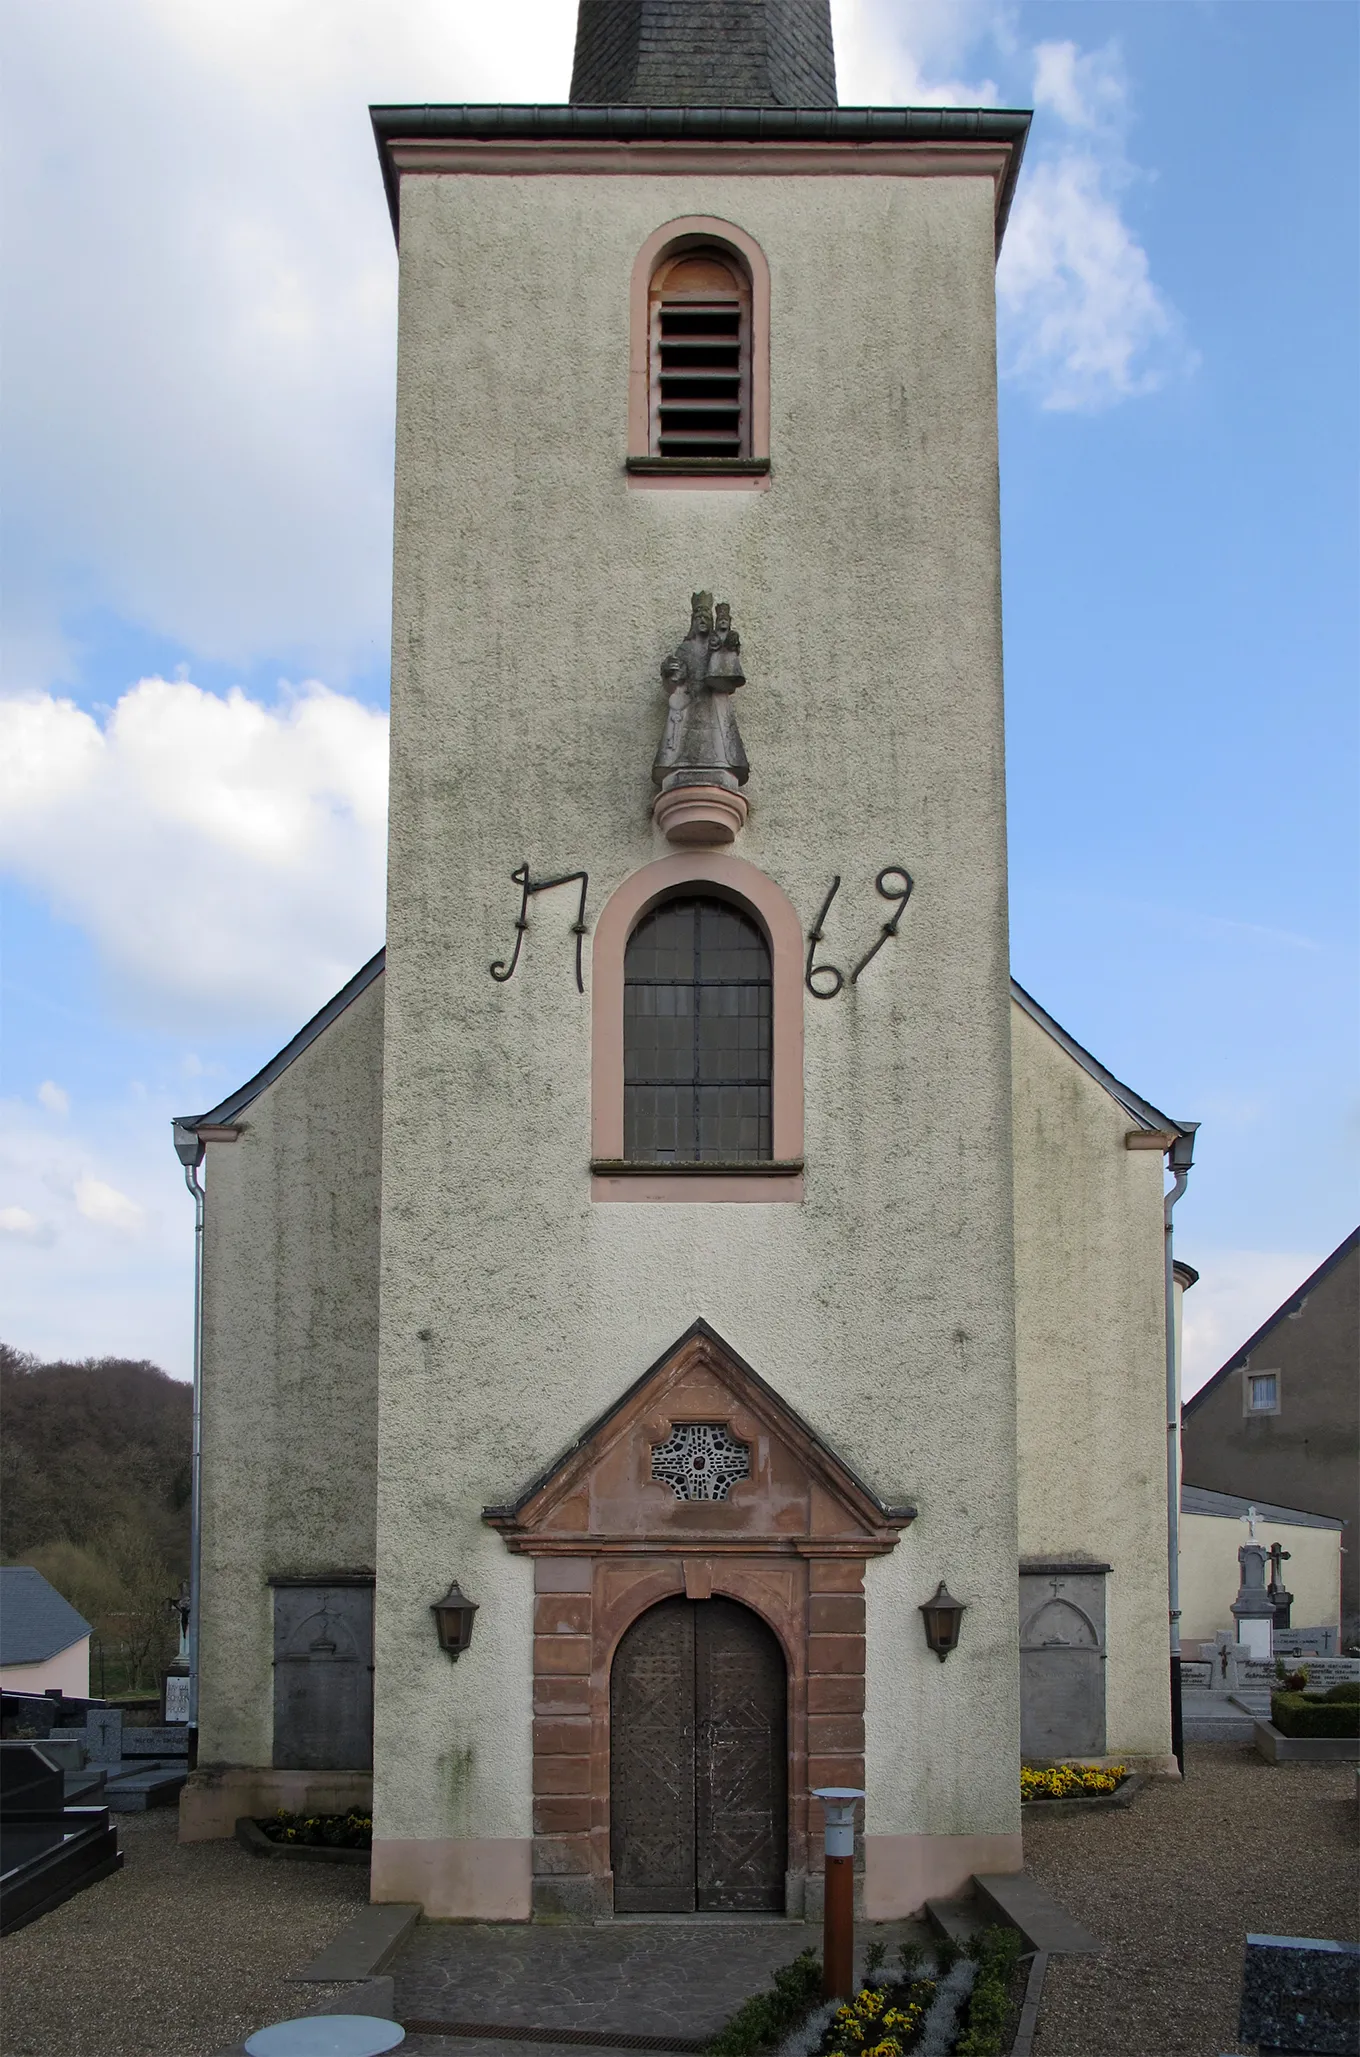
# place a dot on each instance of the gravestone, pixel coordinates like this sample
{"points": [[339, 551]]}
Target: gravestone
{"points": [[1306, 1642], [1302, 1996], [1062, 1661], [1253, 1610], [104, 1735], [155, 1742], [1230, 1660]]}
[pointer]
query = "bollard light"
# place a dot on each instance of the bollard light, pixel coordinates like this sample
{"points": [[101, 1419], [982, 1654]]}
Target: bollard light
{"points": [[838, 1908], [453, 1620]]}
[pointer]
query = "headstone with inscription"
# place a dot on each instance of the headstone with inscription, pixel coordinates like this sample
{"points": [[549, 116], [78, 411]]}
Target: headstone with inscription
{"points": [[104, 1735]]}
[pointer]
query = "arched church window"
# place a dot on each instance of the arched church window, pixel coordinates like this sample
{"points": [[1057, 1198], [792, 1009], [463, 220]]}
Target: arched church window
{"points": [[699, 311], [697, 1037]]}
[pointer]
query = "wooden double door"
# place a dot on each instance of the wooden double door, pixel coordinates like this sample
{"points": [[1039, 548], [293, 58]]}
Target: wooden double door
{"points": [[698, 1784]]}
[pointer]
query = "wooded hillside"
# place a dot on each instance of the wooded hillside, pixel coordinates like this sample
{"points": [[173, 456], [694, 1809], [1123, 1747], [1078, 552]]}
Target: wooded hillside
{"points": [[94, 1491]]}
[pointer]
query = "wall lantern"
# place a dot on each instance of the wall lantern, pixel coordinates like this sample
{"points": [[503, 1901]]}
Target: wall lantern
{"points": [[942, 1616], [453, 1619]]}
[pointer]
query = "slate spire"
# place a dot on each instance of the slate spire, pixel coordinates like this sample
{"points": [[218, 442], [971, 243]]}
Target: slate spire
{"points": [[704, 53]]}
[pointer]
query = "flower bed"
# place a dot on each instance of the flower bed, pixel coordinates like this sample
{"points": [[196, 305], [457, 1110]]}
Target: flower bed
{"points": [[967, 2005], [1070, 1781], [320, 1831]]}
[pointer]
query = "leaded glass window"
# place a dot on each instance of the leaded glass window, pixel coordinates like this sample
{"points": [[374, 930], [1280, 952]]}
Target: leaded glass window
{"points": [[696, 1037]]}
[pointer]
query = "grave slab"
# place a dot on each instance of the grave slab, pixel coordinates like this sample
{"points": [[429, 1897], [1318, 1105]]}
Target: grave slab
{"points": [[365, 1945], [1302, 1995]]}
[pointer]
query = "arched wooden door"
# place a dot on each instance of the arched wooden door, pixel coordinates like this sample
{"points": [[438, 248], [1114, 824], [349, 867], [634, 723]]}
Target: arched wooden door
{"points": [[698, 1781]]}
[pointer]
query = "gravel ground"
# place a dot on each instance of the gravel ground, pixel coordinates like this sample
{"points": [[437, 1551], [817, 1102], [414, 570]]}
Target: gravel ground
{"points": [[180, 1954], [1173, 1884]]}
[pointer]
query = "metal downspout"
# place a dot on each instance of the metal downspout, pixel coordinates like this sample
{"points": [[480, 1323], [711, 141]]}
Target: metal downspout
{"points": [[190, 1151], [1179, 1157]]}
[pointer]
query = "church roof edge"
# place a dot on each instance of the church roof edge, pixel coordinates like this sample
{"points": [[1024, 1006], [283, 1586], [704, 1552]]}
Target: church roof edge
{"points": [[583, 123], [236, 1103], [1142, 1111]]}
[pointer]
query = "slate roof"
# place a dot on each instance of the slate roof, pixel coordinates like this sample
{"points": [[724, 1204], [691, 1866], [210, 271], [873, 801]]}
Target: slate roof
{"points": [[1141, 1111], [35, 1622], [704, 53], [1232, 1507]]}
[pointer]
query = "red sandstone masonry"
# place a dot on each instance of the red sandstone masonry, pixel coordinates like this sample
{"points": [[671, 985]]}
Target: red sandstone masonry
{"points": [[562, 1736], [836, 1575], [561, 1695], [562, 1775], [840, 1614], [562, 1614], [561, 1655]]}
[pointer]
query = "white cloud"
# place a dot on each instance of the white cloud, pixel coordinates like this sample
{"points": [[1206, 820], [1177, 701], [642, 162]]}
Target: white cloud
{"points": [[53, 1097], [225, 858], [201, 319], [1085, 90], [17, 1221], [102, 1203], [98, 1259], [1082, 323], [202, 289], [1237, 1291]]}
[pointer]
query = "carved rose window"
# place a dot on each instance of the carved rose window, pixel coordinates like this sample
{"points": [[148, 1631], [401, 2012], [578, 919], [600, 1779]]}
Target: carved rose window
{"points": [[699, 1460]]}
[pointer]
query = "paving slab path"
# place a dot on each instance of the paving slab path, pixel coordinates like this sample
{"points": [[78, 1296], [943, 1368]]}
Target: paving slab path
{"points": [[1174, 1884], [667, 1979]]}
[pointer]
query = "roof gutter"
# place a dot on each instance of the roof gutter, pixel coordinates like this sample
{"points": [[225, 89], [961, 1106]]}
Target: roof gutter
{"points": [[189, 1148], [1179, 1159], [627, 124]]}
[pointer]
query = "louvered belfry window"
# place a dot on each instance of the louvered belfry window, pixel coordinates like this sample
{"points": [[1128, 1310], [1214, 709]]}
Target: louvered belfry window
{"points": [[700, 349], [697, 1037]]}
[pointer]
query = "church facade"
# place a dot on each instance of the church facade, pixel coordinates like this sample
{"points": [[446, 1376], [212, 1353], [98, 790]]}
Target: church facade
{"points": [[685, 1239]]}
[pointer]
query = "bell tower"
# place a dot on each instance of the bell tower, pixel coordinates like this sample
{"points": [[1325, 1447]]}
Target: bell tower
{"points": [[696, 1087]]}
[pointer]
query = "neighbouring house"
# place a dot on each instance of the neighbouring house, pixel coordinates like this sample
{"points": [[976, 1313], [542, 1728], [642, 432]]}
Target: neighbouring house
{"points": [[686, 1237], [1280, 1422], [1215, 1525], [44, 1643]]}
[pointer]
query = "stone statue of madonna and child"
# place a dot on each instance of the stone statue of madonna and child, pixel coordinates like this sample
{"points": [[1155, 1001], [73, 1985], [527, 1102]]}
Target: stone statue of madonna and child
{"points": [[701, 764]]}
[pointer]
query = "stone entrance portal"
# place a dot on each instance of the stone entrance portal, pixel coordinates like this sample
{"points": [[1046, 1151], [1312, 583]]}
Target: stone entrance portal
{"points": [[700, 1489], [698, 1815]]}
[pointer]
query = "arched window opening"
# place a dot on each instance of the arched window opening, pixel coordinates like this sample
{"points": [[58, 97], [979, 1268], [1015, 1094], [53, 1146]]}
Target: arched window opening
{"points": [[699, 356], [697, 1037]]}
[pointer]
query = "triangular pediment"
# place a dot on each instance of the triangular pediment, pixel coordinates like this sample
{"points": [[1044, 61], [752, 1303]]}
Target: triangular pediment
{"points": [[700, 1453]]}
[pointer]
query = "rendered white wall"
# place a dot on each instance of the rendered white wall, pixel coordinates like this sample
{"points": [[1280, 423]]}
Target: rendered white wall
{"points": [[1210, 1573], [1091, 1365], [535, 597], [290, 1305]]}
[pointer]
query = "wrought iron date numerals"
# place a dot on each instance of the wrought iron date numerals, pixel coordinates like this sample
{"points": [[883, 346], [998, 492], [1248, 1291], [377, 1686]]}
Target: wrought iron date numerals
{"points": [[894, 884], [501, 970]]}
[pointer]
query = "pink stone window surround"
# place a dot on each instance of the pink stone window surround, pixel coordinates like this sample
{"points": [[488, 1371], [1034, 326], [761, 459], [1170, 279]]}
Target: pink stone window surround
{"points": [[696, 232], [728, 878]]}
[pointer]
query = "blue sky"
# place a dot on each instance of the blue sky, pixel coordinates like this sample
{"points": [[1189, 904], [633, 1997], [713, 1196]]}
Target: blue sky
{"points": [[196, 462]]}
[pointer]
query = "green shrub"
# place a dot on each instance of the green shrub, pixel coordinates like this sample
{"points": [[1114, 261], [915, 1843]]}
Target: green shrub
{"points": [[998, 1952], [770, 2016], [1349, 1689], [1299, 1714]]}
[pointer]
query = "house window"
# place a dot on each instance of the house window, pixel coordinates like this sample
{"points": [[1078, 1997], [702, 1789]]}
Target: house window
{"points": [[699, 356], [697, 1037], [1263, 1392]]}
